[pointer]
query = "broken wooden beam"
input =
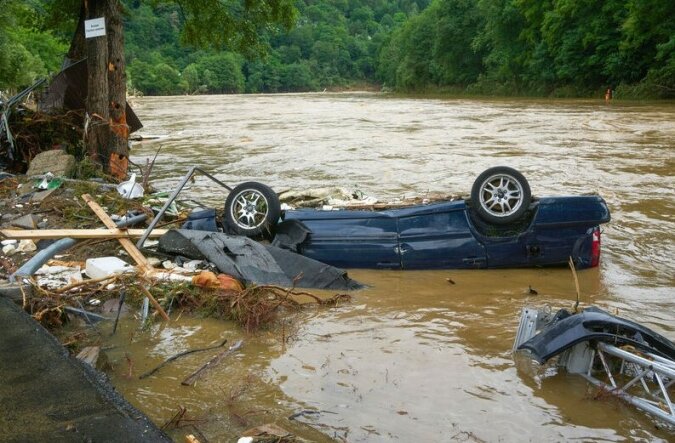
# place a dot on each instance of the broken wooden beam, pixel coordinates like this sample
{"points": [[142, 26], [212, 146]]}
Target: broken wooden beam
{"points": [[127, 244], [39, 234], [131, 249]]}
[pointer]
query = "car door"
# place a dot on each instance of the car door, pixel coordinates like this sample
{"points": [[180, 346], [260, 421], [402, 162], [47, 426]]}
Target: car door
{"points": [[351, 239], [439, 238]]}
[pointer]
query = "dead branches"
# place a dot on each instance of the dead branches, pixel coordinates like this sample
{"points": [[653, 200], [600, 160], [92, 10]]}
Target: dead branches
{"points": [[192, 378], [179, 355], [252, 308]]}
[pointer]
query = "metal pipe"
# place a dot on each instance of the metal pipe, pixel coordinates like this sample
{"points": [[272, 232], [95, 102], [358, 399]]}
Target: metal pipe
{"points": [[31, 266], [172, 197], [635, 401], [655, 366], [167, 203]]}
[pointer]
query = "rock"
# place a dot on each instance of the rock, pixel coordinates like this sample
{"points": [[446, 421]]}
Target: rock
{"points": [[56, 161], [154, 261], [8, 217], [193, 265], [168, 264], [9, 242], [28, 221], [26, 246], [55, 277], [8, 249]]}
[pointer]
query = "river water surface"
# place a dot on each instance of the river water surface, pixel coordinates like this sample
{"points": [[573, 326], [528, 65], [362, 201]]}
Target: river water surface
{"points": [[413, 357]]}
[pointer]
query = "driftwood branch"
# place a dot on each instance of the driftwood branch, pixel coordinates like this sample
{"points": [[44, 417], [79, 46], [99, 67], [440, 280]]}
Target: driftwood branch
{"points": [[192, 378], [179, 355]]}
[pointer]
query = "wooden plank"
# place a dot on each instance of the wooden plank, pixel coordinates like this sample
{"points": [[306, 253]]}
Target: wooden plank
{"points": [[127, 244], [39, 234], [130, 247]]}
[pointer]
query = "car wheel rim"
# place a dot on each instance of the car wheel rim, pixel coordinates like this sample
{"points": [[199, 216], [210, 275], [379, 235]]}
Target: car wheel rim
{"points": [[501, 195], [249, 209]]}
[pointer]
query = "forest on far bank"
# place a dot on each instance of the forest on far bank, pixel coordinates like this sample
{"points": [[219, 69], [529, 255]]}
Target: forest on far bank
{"points": [[561, 48]]}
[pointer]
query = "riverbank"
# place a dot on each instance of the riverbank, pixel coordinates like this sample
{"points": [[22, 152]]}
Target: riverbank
{"points": [[623, 93], [47, 395]]}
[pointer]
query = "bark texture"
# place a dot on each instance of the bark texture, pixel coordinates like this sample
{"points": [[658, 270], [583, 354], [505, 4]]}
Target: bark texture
{"points": [[117, 92], [107, 130], [98, 131]]}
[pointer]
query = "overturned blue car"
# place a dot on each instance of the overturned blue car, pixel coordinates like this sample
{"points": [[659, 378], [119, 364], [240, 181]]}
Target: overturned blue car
{"points": [[500, 226]]}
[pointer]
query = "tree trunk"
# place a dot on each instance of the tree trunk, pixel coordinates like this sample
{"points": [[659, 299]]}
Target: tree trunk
{"points": [[77, 50], [107, 131], [98, 131], [118, 162]]}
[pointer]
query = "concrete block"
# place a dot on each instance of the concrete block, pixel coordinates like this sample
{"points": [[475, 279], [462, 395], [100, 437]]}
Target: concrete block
{"points": [[56, 161]]}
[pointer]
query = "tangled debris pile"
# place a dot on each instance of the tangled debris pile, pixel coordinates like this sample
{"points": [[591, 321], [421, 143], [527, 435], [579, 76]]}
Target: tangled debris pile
{"points": [[90, 278], [69, 261], [341, 198], [34, 132]]}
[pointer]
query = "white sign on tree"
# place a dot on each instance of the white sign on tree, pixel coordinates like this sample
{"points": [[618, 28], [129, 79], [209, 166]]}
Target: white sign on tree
{"points": [[94, 27]]}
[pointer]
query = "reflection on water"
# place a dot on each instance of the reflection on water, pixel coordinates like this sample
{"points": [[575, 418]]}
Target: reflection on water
{"points": [[415, 357]]}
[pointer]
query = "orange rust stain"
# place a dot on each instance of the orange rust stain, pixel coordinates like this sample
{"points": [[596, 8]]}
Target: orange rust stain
{"points": [[119, 164], [119, 125]]}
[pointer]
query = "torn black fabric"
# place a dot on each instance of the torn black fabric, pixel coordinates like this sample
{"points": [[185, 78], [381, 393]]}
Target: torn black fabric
{"points": [[252, 262]]}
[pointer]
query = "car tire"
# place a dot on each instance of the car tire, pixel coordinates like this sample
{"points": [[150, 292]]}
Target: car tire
{"points": [[252, 209], [501, 195]]}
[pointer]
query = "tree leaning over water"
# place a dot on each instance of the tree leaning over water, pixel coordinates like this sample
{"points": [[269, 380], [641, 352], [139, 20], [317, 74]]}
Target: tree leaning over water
{"points": [[236, 25]]}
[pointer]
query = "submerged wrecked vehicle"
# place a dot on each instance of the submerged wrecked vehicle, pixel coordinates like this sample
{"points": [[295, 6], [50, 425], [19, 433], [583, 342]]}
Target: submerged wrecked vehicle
{"points": [[619, 356], [500, 226]]}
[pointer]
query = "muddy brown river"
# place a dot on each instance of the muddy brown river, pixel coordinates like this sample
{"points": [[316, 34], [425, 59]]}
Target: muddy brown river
{"points": [[414, 358]]}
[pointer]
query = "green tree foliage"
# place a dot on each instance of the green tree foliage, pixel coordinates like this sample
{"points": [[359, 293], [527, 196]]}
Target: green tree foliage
{"points": [[543, 47], [333, 44], [221, 73], [536, 46], [648, 44], [27, 49]]}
